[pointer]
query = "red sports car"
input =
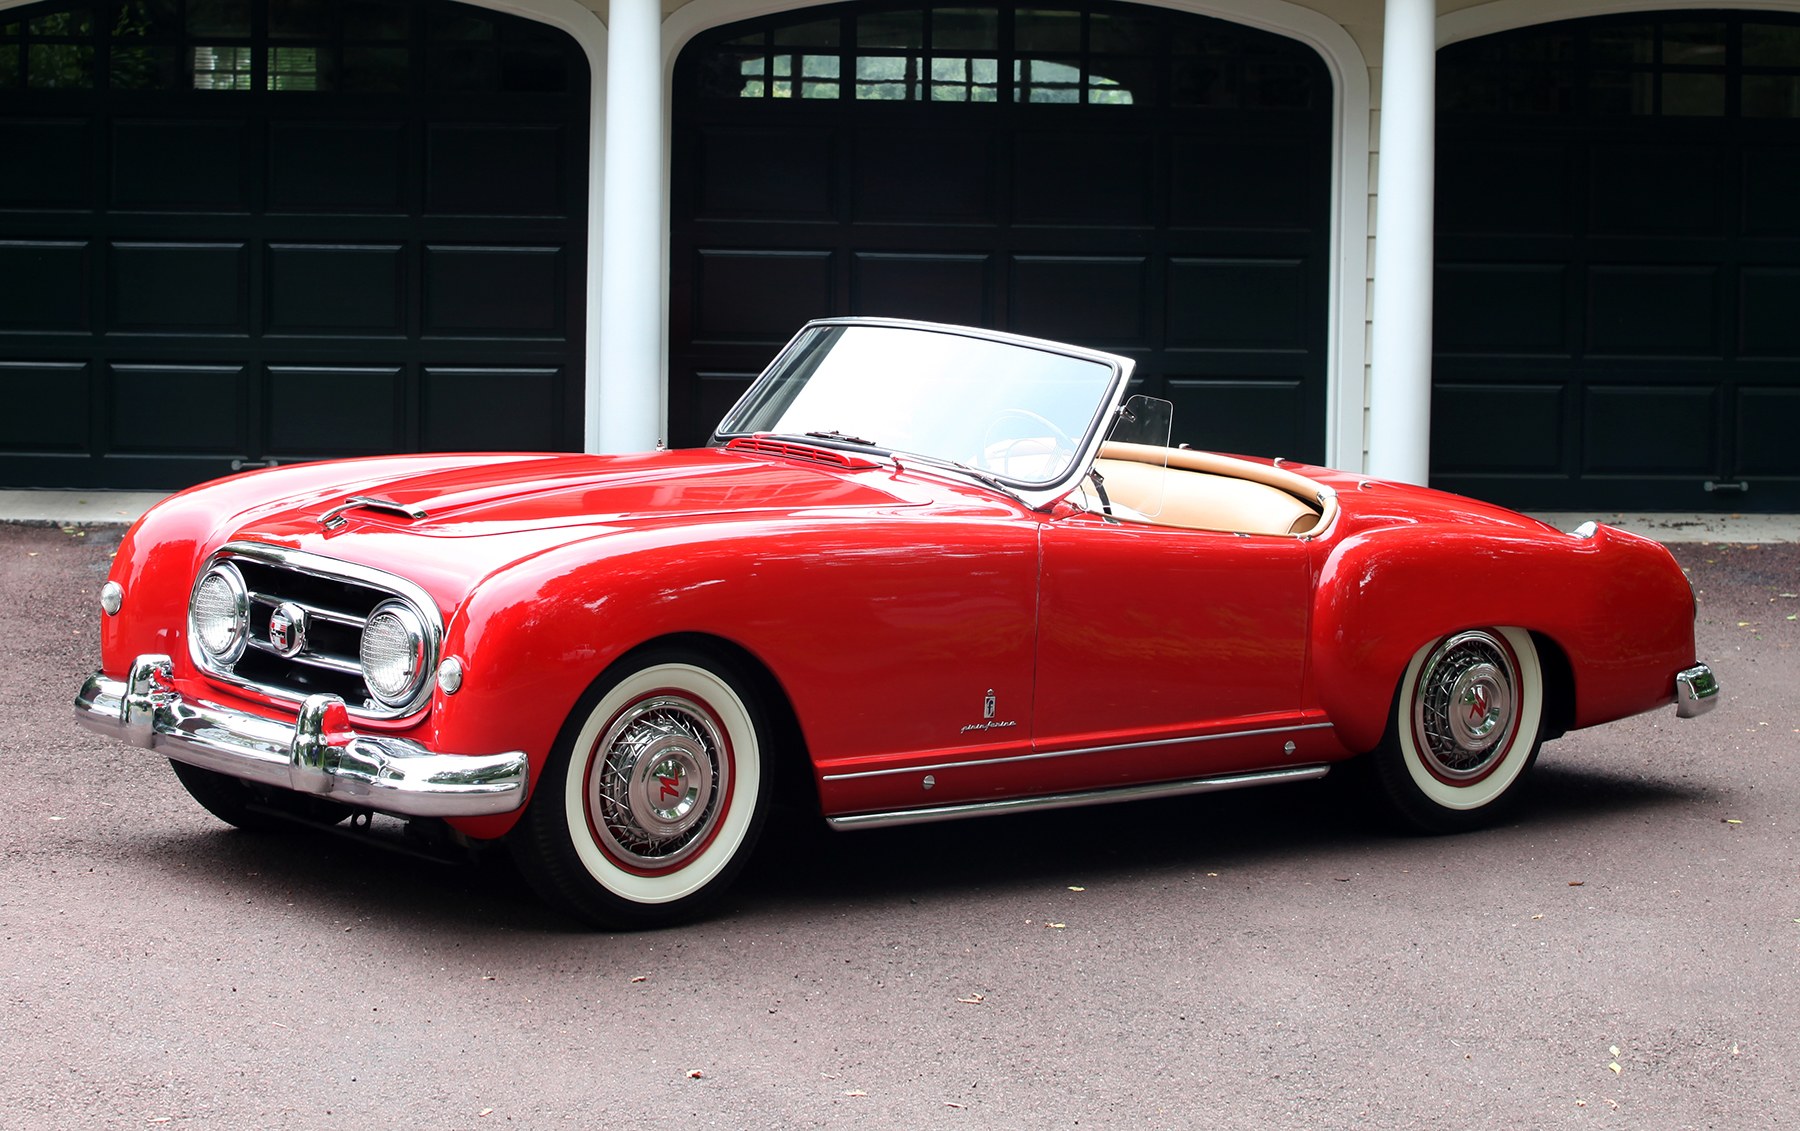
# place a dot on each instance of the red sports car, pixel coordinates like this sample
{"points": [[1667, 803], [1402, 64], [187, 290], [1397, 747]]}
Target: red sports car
{"points": [[923, 572]]}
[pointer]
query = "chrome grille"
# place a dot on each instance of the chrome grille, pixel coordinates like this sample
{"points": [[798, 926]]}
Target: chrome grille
{"points": [[333, 601]]}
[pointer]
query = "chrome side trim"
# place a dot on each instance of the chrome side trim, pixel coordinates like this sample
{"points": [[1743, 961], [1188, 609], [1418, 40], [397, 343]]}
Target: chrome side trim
{"points": [[1696, 692], [318, 753], [1074, 800], [1042, 755]]}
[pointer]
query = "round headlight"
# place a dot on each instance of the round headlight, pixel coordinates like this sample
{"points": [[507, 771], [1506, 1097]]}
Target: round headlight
{"points": [[220, 613], [394, 653]]}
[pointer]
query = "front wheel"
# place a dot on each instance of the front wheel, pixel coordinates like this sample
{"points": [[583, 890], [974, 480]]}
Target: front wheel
{"points": [[1466, 726], [654, 796]]}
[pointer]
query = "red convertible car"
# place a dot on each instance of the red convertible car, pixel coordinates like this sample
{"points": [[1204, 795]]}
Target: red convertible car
{"points": [[923, 572]]}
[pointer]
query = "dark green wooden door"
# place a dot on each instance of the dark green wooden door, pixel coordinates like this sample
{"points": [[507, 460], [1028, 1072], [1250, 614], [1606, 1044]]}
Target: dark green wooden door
{"points": [[1619, 264], [235, 232], [1130, 178]]}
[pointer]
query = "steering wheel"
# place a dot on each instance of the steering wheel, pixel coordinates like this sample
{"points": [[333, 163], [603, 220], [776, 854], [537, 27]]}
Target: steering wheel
{"points": [[993, 437]]}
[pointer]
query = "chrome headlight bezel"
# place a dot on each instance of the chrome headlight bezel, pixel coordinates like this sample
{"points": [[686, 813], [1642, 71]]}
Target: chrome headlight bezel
{"points": [[236, 620], [417, 645]]}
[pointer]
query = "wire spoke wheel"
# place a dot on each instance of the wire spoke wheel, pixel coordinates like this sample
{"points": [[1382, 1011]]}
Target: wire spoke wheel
{"points": [[1466, 725], [654, 796]]}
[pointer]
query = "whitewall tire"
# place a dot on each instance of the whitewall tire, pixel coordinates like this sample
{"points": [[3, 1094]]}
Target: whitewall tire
{"points": [[654, 796], [1466, 727]]}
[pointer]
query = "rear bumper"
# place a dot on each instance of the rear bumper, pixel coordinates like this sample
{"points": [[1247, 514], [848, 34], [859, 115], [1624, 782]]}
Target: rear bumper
{"points": [[317, 754], [1696, 691]]}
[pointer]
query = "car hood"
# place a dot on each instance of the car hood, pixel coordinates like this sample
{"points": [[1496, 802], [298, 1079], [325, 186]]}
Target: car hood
{"points": [[462, 516]]}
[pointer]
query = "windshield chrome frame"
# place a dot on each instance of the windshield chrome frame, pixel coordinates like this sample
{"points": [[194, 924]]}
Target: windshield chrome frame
{"points": [[1036, 496]]}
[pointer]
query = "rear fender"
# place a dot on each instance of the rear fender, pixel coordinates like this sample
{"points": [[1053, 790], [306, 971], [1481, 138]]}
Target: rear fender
{"points": [[1384, 595]]}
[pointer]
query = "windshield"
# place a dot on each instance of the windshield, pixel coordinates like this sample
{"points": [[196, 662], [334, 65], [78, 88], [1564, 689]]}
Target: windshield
{"points": [[1020, 411]]}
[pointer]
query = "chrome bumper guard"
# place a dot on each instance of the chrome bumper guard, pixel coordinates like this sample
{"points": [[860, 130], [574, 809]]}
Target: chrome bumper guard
{"points": [[318, 753], [1696, 692]]}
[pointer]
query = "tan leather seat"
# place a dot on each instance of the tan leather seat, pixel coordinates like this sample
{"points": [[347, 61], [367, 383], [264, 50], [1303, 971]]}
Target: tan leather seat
{"points": [[1199, 499]]}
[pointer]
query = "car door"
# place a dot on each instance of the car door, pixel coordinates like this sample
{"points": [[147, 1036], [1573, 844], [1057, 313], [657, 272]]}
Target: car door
{"points": [[1166, 652]]}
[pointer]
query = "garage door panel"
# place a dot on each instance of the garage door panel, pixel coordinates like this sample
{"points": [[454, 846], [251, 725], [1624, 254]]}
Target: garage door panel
{"points": [[1650, 430], [177, 409], [490, 409], [44, 286], [175, 288], [1769, 323], [482, 291], [763, 174], [1098, 300], [1681, 266], [1671, 189], [1638, 310], [179, 166], [1489, 427], [338, 166], [336, 289], [718, 392], [1110, 185], [1771, 186], [936, 288], [760, 296], [495, 170], [47, 406], [1161, 191], [925, 176], [1767, 417], [57, 176], [1250, 415], [1219, 184], [1519, 189], [1238, 303], [316, 411], [252, 224], [1505, 308]]}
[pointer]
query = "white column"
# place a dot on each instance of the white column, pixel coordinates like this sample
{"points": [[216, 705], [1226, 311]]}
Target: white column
{"points": [[623, 404], [1400, 345]]}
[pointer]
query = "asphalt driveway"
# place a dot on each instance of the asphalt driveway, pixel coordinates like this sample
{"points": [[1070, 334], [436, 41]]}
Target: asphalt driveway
{"points": [[1626, 953]]}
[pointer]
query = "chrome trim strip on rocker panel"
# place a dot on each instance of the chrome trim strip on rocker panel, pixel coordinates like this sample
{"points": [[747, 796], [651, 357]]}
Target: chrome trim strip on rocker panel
{"points": [[1040, 756], [1073, 800]]}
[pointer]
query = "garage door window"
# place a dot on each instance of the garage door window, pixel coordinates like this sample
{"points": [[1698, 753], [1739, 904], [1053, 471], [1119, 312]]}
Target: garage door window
{"points": [[291, 46], [1094, 56], [1672, 68]]}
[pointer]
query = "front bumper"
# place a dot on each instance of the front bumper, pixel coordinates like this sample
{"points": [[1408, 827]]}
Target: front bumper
{"points": [[1696, 692], [318, 753]]}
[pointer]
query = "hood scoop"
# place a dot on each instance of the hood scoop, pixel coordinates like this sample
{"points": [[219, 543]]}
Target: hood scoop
{"points": [[791, 449], [334, 518]]}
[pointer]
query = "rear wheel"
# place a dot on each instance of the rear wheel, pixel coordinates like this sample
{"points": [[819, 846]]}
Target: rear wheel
{"points": [[1467, 724], [654, 796], [255, 808]]}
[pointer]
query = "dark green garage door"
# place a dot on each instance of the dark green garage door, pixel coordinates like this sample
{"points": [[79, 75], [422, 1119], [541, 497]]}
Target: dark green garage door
{"points": [[1618, 280], [235, 232], [1124, 177]]}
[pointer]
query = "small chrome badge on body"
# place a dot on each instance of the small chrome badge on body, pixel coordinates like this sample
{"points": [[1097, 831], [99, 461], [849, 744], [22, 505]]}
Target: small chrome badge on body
{"points": [[989, 705], [287, 629]]}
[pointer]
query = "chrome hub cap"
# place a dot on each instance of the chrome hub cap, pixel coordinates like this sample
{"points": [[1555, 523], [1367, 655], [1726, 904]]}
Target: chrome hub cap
{"points": [[656, 780], [1465, 707]]}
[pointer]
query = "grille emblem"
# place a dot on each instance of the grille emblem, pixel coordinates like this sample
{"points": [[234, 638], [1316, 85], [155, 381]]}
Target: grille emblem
{"points": [[287, 629]]}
